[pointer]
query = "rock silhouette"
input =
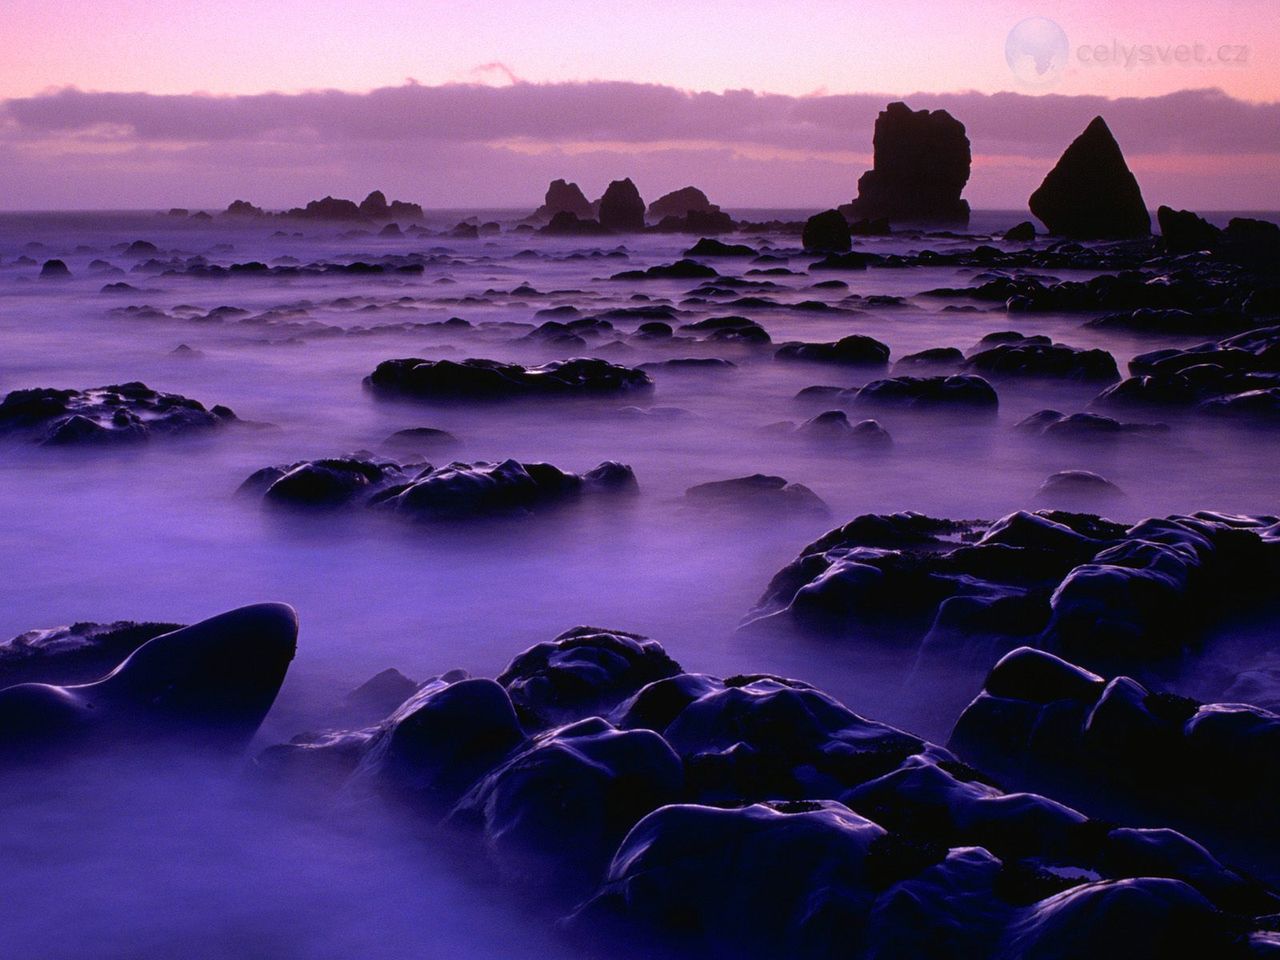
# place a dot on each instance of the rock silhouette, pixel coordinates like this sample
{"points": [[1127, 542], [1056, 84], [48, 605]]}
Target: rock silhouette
{"points": [[563, 197], [1091, 194], [622, 207], [827, 232], [921, 166], [680, 203]]}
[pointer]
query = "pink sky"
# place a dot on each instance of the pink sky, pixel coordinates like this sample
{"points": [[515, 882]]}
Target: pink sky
{"points": [[447, 144]]}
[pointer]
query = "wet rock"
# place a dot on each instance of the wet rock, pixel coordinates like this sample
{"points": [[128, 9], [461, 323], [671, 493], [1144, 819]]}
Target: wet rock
{"points": [[833, 427], [1025, 232], [1036, 357], [1084, 427], [1078, 489], [491, 380], [208, 684], [457, 491], [963, 393], [729, 330], [621, 207], [933, 358], [421, 438], [1102, 594], [1091, 194], [827, 232], [757, 493], [921, 165], [710, 247], [122, 413], [73, 654], [853, 351]]}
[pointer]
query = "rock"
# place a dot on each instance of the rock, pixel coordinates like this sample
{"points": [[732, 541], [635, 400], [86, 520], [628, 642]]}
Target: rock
{"points": [[757, 494], [243, 208], [1025, 232], [833, 427], [826, 233], [208, 684], [1091, 194], [710, 247], [329, 208], [681, 202], [920, 168], [729, 330], [933, 358], [584, 671], [1036, 357], [1096, 592], [567, 223], [621, 207], [1181, 231], [1084, 427], [879, 227], [697, 222], [852, 351], [457, 491], [74, 654], [54, 270], [118, 414], [964, 393], [563, 197], [141, 248], [491, 380], [680, 270], [1076, 489], [421, 438], [391, 231], [381, 694]]}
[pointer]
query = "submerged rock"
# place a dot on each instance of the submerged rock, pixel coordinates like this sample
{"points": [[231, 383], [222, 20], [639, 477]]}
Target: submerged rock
{"points": [[211, 683], [491, 380], [1091, 194], [457, 491], [756, 494], [121, 413], [961, 393], [920, 167], [854, 351], [1078, 489]]}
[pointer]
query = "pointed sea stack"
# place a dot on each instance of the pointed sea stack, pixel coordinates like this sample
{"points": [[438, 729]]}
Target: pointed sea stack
{"points": [[921, 165], [1091, 194], [621, 207]]}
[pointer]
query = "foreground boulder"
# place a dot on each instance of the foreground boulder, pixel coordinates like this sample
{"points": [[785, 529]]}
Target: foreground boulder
{"points": [[210, 683], [1044, 723], [1091, 194], [622, 208], [920, 168], [420, 491], [1106, 595], [757, 817], [477, 379], [73, 654], [121, 413]]}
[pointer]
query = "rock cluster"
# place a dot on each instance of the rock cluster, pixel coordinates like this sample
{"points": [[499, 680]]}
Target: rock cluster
{"points": [[478, 379]]}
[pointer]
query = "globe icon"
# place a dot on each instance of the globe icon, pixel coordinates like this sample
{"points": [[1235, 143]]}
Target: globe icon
{"points": [[1037, 51]]}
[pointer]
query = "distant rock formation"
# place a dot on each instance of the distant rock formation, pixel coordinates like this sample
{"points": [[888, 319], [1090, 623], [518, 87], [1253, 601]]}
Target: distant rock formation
{"points": [[568, 224], [243, 208], [697, 221], [374, 208], [622, 207], [921, 165], [679, 203], [827, 232], [563, 197], [1091, 194]]}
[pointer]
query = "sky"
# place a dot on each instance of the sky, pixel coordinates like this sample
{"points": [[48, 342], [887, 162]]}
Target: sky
{"points": [[130, 103]]}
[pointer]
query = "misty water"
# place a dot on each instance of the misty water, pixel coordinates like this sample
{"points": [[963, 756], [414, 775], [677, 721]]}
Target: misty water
{"points": [[166, 855]]}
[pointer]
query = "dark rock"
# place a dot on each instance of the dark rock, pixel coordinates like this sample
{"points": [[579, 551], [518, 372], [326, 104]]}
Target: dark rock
{"points": [[563, 197], [76, 654], [421, 438], [854, 351], [1036, 357], [933, 358], [710, 247], [1076, 489], [243, 208], [567, 223], [490, 380], [1091, 194], [208, 684], [827, 233], [621, 207], [729, 330], [757, 493], [1181, 231], [54, 270], [117, 414], [680, 202], [1025, 232], [966, 393], [920, 168]]}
